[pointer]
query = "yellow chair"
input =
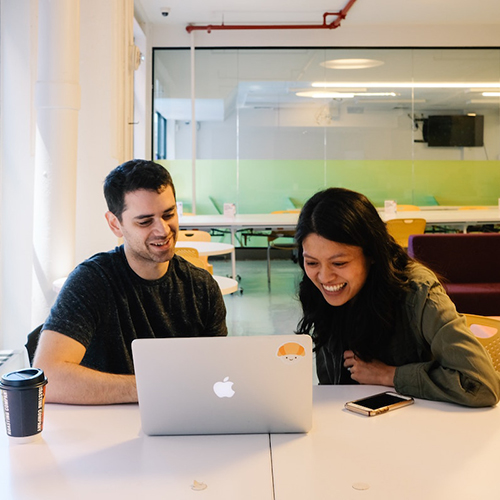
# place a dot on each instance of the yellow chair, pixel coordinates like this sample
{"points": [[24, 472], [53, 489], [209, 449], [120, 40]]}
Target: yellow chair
{"points": [[401, 229], [486, 330], [407, 208], [196, 235], [280, 245], [192, 255], [186, 235]]}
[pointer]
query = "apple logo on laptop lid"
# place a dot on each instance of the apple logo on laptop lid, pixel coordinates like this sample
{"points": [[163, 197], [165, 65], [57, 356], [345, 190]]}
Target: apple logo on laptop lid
{"points": [[224, 388]]}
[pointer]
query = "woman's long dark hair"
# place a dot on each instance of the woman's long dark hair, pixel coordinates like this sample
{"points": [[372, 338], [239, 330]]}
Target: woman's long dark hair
{"points": [[365, 324]]}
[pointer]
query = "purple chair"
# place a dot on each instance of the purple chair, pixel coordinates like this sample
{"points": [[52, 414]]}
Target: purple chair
{"points": [[469, 265]]}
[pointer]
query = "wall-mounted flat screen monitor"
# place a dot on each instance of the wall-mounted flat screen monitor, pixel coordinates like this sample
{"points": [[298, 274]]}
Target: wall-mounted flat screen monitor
{"points": [[454, 131]]}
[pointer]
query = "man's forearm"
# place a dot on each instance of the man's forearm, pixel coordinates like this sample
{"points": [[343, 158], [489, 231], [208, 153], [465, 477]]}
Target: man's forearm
{"points": [[72, 383]]}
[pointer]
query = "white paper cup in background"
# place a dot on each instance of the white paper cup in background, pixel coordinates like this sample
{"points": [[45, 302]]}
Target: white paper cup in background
{"points": [[180, 208], [229, 209], [390, 207]]}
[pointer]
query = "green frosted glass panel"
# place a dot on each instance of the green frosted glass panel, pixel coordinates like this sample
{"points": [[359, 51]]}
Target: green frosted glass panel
{"points": [[262, 186]]}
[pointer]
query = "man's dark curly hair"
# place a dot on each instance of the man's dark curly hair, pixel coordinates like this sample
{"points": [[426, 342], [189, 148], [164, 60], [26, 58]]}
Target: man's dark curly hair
{"points": [[131, 176]]}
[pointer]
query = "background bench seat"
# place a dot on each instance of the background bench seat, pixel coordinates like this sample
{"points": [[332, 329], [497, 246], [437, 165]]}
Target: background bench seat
{"points": [[469, 265]]}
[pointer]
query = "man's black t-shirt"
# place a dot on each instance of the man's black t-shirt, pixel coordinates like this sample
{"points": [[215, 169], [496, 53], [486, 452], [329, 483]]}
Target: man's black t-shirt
{"points": [[104, 305]]}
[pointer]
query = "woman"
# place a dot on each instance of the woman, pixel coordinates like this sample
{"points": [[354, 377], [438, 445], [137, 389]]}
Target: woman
{"points": [[377, 316]]}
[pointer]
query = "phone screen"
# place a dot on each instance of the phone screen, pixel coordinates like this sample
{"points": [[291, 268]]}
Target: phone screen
{"points": [[379, 401]]}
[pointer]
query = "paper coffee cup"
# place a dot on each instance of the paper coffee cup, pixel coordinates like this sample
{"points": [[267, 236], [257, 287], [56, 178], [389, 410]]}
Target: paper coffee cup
{"points": [[180, 208], [229, 209], [390, 207], [23, 396]]}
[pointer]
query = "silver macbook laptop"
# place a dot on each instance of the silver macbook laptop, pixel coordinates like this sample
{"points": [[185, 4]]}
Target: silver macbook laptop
{"points": [[224, 385]]}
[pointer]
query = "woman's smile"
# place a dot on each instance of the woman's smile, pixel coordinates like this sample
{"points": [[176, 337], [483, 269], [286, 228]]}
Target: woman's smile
{"points": [[334, 288]]}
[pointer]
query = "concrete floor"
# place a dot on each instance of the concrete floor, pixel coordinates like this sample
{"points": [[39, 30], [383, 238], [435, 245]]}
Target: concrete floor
{"points": [[260, 310]]}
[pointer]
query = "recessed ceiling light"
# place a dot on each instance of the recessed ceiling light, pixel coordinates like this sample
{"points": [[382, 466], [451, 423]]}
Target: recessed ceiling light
{"points": [[477, 89], [339, 95], [375, 94], [325, 95], [408, 85], [393, 101], [351, 63], [482, 101]]}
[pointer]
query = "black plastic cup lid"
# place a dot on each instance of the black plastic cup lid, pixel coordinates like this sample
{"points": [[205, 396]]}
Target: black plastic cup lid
{"points": [[23, 378]]}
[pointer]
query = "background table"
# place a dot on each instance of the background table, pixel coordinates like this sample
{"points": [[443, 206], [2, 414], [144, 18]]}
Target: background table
{"points": [[240, 222], [434, 216], [226, 285], [449, 217], [208, 248]]}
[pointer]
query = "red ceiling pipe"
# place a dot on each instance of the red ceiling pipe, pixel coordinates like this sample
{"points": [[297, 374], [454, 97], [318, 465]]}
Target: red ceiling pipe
{"points": [[340, 16]]}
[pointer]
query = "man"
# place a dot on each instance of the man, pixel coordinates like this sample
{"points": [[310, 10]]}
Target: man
{"points": [[140, 289]]}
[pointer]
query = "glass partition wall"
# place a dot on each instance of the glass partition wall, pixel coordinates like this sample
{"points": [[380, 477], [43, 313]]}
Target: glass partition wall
{"points": [[273, 126]]}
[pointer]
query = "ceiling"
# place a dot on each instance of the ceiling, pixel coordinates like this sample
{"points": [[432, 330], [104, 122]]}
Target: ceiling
{"points": [[363, 12]]}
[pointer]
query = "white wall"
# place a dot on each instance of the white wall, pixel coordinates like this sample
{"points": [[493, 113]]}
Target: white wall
{"points": [[141, 118], [100, 134], [18, 44], [104, 141]]}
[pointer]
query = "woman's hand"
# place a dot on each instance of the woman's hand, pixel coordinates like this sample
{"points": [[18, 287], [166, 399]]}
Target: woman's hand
{"points": [[373, 372]]}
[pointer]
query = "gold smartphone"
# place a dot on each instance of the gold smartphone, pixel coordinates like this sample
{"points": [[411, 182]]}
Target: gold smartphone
{"points": [[379, 403]]}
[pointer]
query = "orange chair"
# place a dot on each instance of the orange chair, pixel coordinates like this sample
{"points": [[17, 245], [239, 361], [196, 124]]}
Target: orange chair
{"points": [[401, 229], [186, 235], [192, 255], [196, 235], [407, 208], [486, 330]]}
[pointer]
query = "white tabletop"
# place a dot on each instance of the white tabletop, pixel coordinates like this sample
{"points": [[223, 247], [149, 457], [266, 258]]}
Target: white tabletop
{"points": [[428, 450], [207, 247], [451, 216], [226, 285], [240, 221], [433, 216], [97, 453]]}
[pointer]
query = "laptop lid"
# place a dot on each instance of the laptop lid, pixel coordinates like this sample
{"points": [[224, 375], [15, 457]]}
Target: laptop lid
{"points": [[224, 385]]}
